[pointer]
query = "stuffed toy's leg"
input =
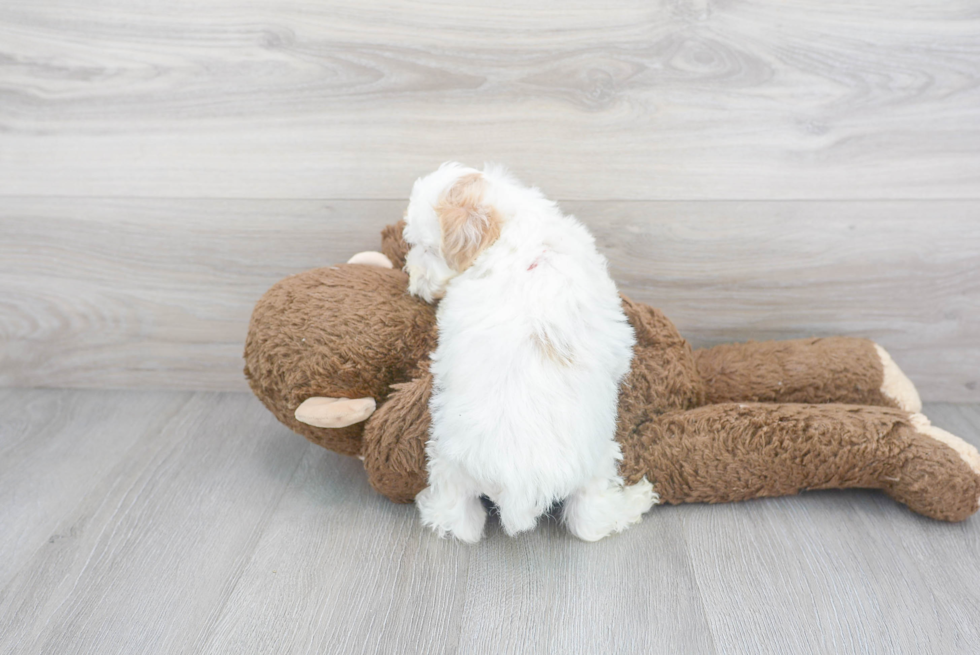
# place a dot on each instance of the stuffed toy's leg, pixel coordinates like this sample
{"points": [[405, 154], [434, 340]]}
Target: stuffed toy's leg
{"points": [[831, 370], [732, 451]]}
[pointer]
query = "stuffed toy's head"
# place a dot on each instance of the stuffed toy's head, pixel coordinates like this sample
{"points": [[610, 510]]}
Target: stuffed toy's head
{"points": [[375, 335]]}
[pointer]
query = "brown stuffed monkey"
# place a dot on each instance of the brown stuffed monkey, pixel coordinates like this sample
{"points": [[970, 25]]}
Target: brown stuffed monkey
{"points": [[340, 355]]}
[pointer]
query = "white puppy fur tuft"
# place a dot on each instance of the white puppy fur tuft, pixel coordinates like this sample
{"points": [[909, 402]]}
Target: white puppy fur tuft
{"points": [[533, 344]]}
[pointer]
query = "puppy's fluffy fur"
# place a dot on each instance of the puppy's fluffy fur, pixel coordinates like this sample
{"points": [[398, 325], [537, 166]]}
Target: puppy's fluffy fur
{"points": [[533, 344]]}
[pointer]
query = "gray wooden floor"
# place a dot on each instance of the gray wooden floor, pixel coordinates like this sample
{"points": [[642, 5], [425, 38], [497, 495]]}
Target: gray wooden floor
{"points": [[180, 522]]}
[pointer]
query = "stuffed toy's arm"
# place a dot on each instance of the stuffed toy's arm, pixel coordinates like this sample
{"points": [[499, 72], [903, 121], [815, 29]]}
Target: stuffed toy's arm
{"points": [[393, 244], [663, 375], [730, 452], [831, 370], [395, 438]]}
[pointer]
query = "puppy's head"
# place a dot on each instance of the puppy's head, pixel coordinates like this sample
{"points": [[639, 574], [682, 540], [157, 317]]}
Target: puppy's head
{"points": [[449, 222]]}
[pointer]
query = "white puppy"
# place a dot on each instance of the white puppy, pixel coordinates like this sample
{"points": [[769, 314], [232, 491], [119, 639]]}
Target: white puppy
{"points": [[533, 344]]}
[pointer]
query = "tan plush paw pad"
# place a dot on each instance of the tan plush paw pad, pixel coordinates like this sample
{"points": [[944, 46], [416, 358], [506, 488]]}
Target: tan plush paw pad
{"points": [[371, 258], [965, 450], [334, 412], [896, 384]]}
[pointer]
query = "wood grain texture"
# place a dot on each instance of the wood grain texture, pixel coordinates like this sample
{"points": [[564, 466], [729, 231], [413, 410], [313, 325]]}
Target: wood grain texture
{"points": [[157, 293], [214, 530], [690, 99], [401, 590], [117, 293], [54, 449], [146, 557], [906, 275]]}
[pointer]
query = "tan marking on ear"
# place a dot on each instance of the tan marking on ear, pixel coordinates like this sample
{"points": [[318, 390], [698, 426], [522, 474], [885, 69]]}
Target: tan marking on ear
{"points": [[469, 225]]}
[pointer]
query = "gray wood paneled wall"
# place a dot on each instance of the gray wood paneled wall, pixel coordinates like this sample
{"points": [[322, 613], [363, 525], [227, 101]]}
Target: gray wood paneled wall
{"points": [[765, 169]]}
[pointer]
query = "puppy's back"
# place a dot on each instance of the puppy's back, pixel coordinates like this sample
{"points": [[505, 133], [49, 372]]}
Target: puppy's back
{"points": [[533, 344]]}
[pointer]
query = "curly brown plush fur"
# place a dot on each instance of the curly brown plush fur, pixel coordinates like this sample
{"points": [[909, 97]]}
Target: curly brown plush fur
{"points": [[727, 423]]}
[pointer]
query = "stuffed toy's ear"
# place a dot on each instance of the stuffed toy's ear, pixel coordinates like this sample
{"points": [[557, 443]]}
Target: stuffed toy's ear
{"points": [[371, 258], [469, 224], [334, 412]]}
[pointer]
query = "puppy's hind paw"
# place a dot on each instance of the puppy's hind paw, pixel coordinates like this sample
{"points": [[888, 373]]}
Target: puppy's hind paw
{"points": [[515, 521], [599, 510], [460, 517]]}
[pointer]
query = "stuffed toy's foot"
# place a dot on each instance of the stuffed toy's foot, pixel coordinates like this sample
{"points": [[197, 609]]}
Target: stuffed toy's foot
{"points": [[931, 480], [966, 451], [896, 385], [738, 451]]}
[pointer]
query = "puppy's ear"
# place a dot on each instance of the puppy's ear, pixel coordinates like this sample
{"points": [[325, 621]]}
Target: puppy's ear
{"points": [[469, 224]]}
